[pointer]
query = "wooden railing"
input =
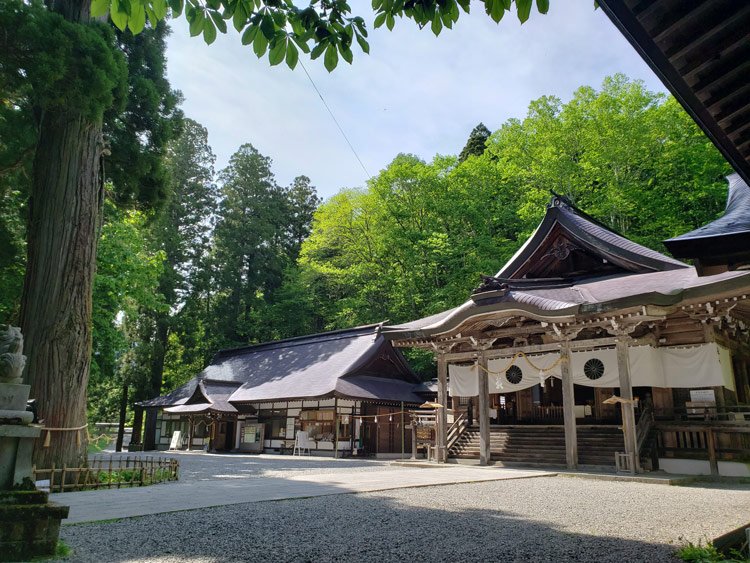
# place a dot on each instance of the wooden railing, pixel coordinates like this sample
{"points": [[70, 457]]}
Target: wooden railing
{"points": [[726, 413], [715, 441], [550, 413], [456, 430], [109, 472]]}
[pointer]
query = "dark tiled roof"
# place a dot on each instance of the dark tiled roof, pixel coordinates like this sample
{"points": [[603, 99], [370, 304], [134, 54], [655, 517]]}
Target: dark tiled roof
{"points": [[589, 235], [736, 218], [644, 277], [305, 367]]}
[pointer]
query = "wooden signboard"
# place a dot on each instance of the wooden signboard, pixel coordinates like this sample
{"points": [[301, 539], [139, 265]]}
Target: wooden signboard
{"points": [[176, 439]]}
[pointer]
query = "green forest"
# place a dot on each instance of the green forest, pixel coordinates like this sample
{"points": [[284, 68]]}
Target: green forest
{"points": [[192, 259]]}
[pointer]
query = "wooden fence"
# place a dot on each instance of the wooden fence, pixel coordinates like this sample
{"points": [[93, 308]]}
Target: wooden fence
{"points": [[715, 442], [110, 473]]}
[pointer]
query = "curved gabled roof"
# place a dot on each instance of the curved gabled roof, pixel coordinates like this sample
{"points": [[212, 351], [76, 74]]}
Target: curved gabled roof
{"points": [[567, 234], [573, 265]]}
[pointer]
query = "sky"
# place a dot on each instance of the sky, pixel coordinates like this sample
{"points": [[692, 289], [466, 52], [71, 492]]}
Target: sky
{"points": [[414, 93]]}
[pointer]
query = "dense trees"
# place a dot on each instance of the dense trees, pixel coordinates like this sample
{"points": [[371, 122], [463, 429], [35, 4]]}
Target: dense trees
{"points": [[63, 72], [416, 240]]}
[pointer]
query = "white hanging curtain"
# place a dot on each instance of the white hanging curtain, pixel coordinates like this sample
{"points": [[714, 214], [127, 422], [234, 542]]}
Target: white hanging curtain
{"points": [[463, 381], [704, 365], [610, 377], [534, 369]]}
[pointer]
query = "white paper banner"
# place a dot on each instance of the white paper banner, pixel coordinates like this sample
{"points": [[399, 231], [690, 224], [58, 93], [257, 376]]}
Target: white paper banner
{"points": [[705, 365]]}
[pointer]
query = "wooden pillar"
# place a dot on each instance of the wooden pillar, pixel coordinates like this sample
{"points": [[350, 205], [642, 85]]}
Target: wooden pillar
{"points": [[336, 427], [442, 412], [483, 414], [569, 414], [628, 408], [413, 437], [123, 415]]}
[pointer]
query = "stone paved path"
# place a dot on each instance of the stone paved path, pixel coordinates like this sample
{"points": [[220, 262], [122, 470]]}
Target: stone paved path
{"points": [[87, 506]]}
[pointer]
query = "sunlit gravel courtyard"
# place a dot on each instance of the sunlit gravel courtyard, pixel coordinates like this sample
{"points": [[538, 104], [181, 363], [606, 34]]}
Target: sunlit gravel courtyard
{"points": [[539, 519]]}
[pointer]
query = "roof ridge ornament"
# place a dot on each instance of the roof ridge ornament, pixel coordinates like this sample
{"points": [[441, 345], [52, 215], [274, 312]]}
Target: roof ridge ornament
{"points": [[558, 200]]}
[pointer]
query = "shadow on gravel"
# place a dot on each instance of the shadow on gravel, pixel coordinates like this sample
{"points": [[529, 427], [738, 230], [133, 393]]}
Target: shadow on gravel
{"points": [[346, 528]]}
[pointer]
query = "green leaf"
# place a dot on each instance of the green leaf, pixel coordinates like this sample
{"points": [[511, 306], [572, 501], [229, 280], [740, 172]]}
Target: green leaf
{"points": [[260, 43], [318, 50], [99, 8], [437, 25], [278, 51], [267, 27], [346, 54], [379, 20], [364, 45], [209, 31], [524, 9], [331, 59], [302, 44], [177, 7], [196, 26], [497, 11], [137, 19], [118, 16], [160, 8], [390, 21], [151, 16], [249, 35], [221, 25], [239, 17], [292, 55], [542, 6]]}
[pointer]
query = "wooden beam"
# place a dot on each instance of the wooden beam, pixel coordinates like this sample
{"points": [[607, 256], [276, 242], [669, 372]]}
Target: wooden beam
{"points": [[495, 353], [442, 414], [569, 415], [628, 409], [483, 412]]}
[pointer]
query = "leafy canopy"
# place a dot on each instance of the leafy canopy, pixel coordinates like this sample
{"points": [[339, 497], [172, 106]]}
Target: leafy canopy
{"points": [[281, 29]]}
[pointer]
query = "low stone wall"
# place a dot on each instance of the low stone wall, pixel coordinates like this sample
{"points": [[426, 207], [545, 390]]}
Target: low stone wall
{"points": [[29, 525], [703, 467]]}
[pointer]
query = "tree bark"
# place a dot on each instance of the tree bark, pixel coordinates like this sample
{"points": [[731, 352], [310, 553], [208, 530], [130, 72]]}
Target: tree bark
{"points": [[65, 211]]}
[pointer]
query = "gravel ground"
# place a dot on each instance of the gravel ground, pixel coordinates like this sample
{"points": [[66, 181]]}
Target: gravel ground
{"points": [[199, 466], [542, 519]]}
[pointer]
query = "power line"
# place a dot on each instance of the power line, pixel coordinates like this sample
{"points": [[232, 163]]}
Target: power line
{"points": [[348, 142]]}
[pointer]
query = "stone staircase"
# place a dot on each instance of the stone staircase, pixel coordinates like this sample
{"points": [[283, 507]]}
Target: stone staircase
{"points": [[542, 445]]}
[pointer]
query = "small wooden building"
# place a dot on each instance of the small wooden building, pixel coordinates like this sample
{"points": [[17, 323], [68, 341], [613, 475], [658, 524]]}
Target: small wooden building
{"points": [[577, 315], [347, 389]]}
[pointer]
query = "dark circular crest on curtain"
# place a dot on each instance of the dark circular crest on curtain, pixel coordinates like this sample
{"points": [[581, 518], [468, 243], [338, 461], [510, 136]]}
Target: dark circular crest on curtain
{"points": [[593, 368], [514, 375]]}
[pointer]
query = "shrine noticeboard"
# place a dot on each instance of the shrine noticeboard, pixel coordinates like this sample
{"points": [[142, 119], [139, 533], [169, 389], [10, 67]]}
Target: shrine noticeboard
{"points": [[175, 441], [252, 437]]}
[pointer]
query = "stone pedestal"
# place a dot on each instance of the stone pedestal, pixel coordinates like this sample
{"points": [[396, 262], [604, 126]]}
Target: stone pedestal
{"points": [[16, 447], [29, 525]]}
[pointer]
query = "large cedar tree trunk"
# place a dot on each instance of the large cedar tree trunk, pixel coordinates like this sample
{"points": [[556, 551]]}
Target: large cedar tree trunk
{"points": [[65, 211]]}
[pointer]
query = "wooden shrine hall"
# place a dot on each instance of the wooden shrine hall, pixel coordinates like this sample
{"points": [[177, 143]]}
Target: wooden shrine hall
{"points": [[346, 390], [587, 336]]}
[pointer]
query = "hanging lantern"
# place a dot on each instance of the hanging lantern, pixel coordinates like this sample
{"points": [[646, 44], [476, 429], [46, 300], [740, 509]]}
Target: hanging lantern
{"points": [[390, 418], [376, 419], [541, 378]]}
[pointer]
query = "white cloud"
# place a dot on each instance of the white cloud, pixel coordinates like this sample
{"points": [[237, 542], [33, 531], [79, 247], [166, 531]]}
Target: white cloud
{"points": [[414, 93]]}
